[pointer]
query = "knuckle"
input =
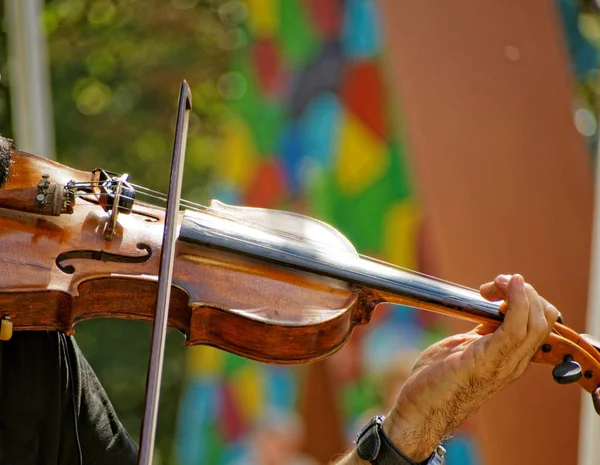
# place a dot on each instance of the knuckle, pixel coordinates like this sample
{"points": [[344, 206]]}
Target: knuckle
{"points": [[519, 335], [538, 325], [551, 313], [529, 289]]}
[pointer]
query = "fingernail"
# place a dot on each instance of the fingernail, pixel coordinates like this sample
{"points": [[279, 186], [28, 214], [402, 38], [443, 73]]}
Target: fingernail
{"points": [[503, 278], [519, 282]]}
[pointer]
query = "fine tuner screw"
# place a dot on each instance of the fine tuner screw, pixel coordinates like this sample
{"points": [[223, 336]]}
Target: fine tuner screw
{"points": [[567, 372], [42, 186]]}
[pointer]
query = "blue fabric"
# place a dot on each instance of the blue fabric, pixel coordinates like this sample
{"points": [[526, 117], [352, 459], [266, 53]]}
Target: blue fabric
{"points": [[361, 32]]}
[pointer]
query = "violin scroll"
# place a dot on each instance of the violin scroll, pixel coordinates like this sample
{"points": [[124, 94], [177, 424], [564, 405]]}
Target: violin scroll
{"points": [[574, 358]]}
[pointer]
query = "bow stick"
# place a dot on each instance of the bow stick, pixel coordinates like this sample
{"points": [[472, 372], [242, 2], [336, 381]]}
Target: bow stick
{"points": [[165, 277]]}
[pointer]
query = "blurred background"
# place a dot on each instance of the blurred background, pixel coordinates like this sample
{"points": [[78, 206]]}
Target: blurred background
{"points": [[458, 140]]}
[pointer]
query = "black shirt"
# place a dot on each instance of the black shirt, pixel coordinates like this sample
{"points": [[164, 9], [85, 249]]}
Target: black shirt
{"points": [[53, 409]]}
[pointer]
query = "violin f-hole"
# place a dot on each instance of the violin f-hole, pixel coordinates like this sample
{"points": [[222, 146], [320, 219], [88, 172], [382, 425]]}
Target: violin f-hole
{"points": [[102, 256]]}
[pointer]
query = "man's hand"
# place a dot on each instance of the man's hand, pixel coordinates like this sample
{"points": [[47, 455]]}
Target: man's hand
{"points": [[455, 376]]}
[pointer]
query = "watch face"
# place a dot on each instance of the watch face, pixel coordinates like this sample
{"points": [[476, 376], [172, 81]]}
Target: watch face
{"points": [[438, 456]]}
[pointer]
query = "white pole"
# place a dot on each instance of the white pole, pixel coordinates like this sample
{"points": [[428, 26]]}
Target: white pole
{"points": [[589, 428], [29, 78]]}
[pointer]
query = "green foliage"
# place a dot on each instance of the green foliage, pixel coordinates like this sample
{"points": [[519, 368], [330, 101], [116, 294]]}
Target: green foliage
{"points": [[116, 67]]}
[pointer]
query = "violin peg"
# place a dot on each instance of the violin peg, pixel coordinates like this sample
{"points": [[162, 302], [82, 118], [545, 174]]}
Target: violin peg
{"points": [[569, 371], [6, 329], [596, 400]]}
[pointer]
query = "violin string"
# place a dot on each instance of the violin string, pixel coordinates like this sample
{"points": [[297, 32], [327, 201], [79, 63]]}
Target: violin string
{"points": [[417, 273], [269, 229], [280, 233], [223, 215], [207, 210], [140, 189]]}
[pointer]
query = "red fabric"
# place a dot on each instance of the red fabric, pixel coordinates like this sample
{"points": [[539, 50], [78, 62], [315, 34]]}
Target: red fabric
{"points": [[232, 424], [326, 16], [268, 65], [362, 94], [267, 189]]}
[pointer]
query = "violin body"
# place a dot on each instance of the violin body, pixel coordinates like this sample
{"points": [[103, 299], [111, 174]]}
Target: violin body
{"points": [[259, 310]]}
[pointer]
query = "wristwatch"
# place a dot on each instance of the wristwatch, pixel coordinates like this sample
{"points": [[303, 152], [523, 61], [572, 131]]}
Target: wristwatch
{"points": [[374, 445]]}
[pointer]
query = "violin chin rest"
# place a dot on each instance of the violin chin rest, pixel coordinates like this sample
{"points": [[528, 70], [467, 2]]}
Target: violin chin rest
{"points": [[5, 146]]}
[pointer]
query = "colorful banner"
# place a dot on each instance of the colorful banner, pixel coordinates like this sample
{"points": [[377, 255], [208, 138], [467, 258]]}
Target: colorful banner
{"points": [[311, 130]]}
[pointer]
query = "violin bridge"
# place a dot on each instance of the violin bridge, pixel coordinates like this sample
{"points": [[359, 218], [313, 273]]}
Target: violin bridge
{"points": [[115, 195]]}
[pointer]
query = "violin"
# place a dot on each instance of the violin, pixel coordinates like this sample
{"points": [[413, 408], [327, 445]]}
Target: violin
{"points": [[269, 285]]}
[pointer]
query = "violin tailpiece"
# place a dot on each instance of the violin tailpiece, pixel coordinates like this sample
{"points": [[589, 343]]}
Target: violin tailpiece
{"points": [[5, 146]]}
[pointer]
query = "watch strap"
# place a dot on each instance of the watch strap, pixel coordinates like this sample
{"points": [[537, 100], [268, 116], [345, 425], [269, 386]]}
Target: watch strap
{"points": [[374, 445]]}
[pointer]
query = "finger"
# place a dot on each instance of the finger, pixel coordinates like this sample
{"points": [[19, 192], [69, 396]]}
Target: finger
{"points": [[515, 322], [542, 314], [552, 311], [495, 290], [537, 333], [537, 325], [552, 315], [485, 328]]}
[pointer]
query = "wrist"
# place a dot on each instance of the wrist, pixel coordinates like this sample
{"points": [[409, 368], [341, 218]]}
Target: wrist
{"points": [[414, 438], [374, 444]]}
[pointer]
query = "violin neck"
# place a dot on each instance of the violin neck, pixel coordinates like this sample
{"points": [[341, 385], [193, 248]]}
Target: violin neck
{"points": [[384, 282], [404, 287]]}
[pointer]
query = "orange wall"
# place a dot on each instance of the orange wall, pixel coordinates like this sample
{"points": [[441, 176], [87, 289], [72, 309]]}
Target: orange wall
{"points": [[504, 179]]}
